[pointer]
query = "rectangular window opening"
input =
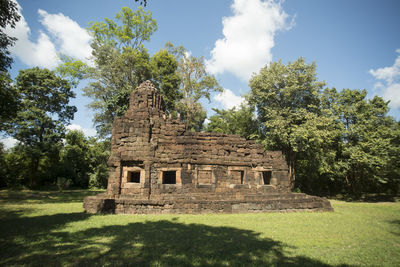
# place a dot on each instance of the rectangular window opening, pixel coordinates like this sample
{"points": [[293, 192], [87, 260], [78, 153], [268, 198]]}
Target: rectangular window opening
{"points": [[241, 177], [266, 175], [169, 177], [133, 177]]}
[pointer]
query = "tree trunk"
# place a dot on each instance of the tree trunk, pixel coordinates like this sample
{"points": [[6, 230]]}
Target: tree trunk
{"points": [[33, 172], [292, 176], [290, 159]]}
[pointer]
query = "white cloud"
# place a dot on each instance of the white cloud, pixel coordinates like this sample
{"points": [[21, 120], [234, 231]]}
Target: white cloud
{"points": [[388, 83], [228, 99], [392, 93], [74, 40], [42, 53], [8, 142], [86, 131], [248, 37], [64, 35]]}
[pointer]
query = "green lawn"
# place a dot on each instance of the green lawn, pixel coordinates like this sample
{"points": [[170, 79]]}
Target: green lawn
{"points": [[50, 228]]}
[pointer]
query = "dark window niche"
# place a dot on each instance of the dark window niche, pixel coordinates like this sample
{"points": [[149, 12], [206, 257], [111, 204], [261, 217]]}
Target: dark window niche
{"points": [[169, 177], [266, 175], [241, 177], [133, 177]]}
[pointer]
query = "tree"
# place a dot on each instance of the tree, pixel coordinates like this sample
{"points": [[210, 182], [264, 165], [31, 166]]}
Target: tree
{"points": [[8, 16], [352, 146], [3, 163], [240, 121], [114, 78], [75, 159], [195, 83], [39, 125], [83, 161], [99, 153], [393, 168], [367, 141], [130, 29], [286, 98], [317, 171], [121, 63], [14, 171], [166, 79], [9, 99]]}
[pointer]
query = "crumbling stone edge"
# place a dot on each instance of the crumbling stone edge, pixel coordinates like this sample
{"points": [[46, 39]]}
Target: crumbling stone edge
{"points": [[108, 205]]}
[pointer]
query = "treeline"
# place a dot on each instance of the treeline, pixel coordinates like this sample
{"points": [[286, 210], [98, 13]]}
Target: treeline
{"points": [[77, 162], [335, 142]]}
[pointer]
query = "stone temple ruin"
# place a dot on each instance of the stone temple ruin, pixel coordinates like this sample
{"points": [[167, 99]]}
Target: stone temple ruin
{"points": [[157, 166]]}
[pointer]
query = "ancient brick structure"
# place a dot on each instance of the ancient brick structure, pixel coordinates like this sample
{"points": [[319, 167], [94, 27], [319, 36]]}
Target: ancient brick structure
{"points": [[156, 166]]}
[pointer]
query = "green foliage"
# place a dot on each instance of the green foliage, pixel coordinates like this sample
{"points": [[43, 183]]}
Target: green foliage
{"points": [[15, 167], [241, 121], [63, 183], [130, 29], [3, 163], [83, 161], [39, 124], [165, 78], [99, 154], [8, 16], [121, 63], [286, 98], [9, 99], [75, 159], [338, 142], [355, 157], [99, 178], [366, 140], [72, 69], [195, 83], [114, 78]]}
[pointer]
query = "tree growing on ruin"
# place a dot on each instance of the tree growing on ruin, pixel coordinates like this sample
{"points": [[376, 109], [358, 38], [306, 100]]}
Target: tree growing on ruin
{"points": [[120, 64], [239, 121], [195, 83]]}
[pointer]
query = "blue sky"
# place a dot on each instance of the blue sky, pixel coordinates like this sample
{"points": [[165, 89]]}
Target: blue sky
{"points": [[355, 44]]}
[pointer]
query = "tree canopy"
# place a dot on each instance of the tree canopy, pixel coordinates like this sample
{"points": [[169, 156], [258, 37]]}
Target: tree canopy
{"points": [[40, 123], [121, 63], [195, 83], [8, 16], [286, 98], [240, 121], [338, 142]]}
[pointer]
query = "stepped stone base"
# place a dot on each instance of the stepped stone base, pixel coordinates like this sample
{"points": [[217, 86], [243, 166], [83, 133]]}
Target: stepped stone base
{"points": [[289, 202]]}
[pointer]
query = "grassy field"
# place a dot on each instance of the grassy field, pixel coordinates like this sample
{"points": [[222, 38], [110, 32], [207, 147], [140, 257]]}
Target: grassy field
{"points": [[51, 229]]}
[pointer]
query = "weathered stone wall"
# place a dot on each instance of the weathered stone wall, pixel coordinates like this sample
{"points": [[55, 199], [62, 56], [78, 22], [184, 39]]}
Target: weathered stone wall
{"points": [[156, 165], [147, 141]]}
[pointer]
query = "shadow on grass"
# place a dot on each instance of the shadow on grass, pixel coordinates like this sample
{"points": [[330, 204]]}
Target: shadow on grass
{"points": [[44, 240], [39, 197], [397, 224]]}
